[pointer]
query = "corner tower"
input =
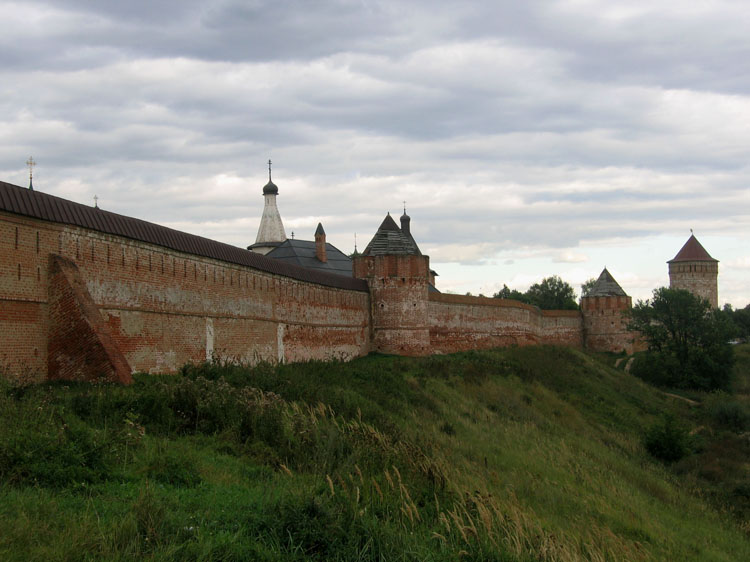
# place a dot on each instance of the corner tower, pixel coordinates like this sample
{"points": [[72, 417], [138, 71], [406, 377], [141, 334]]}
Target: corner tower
{"points": [[271, 230], [695, 270], [397, 274], [605, 309]]}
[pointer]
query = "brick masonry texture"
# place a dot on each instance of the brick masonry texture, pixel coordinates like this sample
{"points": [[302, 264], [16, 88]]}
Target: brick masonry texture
{"points": [[698, 277], [165, 308], [80, 344], [605, 323], [459, 323], [79, 303], [399, 301]]}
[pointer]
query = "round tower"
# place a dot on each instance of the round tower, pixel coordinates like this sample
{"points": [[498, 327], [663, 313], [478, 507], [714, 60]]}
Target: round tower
{"points": [[695, 270], [605, 310]]}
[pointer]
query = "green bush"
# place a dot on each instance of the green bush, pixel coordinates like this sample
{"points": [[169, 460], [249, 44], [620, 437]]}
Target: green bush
{"points": [[728, 413], [168, 467], [42, 444], [687, 341], [666, 440]]}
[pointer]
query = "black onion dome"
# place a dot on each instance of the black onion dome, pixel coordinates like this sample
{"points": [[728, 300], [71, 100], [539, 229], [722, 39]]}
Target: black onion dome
{"points": [[270, 189]]}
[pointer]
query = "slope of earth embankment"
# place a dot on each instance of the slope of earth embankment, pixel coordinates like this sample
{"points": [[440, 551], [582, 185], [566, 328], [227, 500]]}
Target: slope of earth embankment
{"points": [[513, 454]]}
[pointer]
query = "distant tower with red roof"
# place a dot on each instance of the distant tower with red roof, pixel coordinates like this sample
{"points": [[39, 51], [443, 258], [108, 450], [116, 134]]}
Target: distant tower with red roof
{"points": [[695, 270]]}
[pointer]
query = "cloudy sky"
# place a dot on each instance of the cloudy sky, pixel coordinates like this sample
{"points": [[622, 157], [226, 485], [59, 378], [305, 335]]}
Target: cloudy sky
{"points": [[527, 138]]}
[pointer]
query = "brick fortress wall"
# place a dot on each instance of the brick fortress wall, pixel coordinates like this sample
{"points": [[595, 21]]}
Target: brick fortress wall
{"points": [[460, 323], [165, 308], [74, 299]]}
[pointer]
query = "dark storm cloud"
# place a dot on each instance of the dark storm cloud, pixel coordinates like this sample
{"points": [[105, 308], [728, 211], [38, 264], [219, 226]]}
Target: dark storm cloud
{"points": [[236, 31]]}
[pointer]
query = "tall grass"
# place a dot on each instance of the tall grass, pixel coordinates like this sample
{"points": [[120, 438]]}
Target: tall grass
{"points": [[519, 454]]}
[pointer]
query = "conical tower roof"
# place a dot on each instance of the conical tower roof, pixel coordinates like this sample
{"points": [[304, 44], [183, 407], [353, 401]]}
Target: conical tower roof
{"points": [[692, 251], [606, 286], [390, 240], [271, 230]]}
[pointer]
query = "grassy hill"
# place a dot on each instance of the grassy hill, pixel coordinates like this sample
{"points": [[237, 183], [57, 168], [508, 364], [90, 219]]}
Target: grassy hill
{"points": [[514, 454]]}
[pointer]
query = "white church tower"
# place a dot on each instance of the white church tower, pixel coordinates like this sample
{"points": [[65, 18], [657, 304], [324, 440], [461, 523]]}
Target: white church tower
{"points": [[271, 231]]}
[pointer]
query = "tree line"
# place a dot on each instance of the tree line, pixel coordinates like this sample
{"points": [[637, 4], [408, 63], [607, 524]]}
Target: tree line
{"points": [[689, 342], [551, 293]]}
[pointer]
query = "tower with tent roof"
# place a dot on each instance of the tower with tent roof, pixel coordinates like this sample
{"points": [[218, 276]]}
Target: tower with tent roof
{"points": [[695, 270], [399, 279], [604, 309]]}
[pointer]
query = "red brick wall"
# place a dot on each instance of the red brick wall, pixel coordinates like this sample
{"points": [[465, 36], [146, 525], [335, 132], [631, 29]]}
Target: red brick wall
{"points": [[398, 289], [79, 344], [165, 308], [605, 323], [23, 299], [459, 323]]}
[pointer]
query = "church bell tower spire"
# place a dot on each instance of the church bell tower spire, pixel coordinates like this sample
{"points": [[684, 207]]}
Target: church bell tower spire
{"points": [[271, 230]]}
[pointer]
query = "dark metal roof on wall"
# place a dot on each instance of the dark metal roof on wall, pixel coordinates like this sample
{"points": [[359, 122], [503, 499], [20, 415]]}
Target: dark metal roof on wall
{"points": [[302, 253], [692, 251], [22, 201]]}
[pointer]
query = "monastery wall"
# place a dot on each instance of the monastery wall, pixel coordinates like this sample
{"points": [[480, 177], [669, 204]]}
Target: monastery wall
{"points": [[165, 308], [460, 323], [78, 303]]}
